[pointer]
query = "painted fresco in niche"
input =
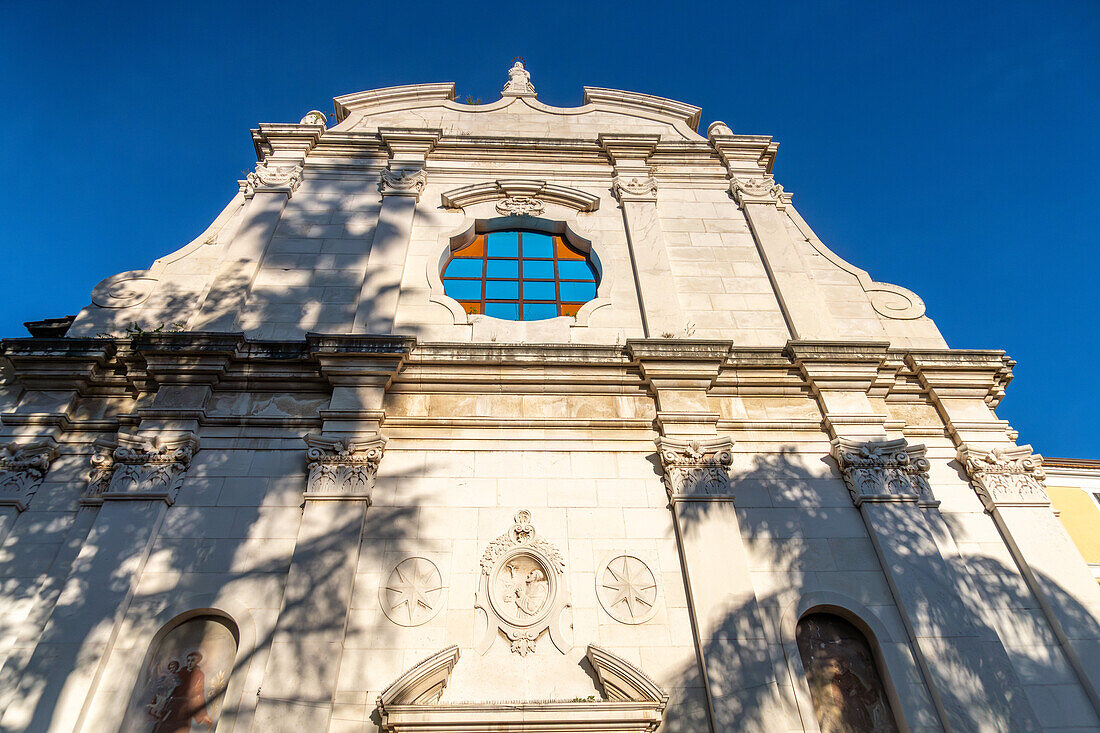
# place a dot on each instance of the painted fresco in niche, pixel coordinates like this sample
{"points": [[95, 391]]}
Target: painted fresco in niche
{"points": [[183, 686], [847, 690]]}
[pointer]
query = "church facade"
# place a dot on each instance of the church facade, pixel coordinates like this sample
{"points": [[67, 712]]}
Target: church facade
{"points": [[513, 417]]}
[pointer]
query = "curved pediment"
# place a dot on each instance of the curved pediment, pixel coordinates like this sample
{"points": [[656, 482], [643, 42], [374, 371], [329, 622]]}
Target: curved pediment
{"points": [[435, 105], [520, 188]]}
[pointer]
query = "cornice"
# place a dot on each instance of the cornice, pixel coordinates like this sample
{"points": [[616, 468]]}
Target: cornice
{"points": [[963, 373], [387, 96], [58, 364]]}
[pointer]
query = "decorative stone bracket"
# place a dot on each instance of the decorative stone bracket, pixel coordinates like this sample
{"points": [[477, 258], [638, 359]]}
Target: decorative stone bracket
{"points": [[140, 468], [272, 178], [343, 469], [22, 468], [1006, 476], [522, 589], [695, 467], [884, 471], [759, 191]]}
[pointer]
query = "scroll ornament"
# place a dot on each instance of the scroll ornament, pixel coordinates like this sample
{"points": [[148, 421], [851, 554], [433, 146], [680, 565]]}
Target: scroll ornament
{"points": [[403, 182], [22, 468], [635, 189], [520, 206], [342, 468], [521, 589], [884, 471], [695, 467], [276, 178], [762, 190], [138, 467], [1006, 476]]}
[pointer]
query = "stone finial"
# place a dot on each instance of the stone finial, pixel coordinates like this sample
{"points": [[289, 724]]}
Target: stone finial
{"points": [[718, 128], [884, 471], [1006, 476], [314, 117], [519, 82]]}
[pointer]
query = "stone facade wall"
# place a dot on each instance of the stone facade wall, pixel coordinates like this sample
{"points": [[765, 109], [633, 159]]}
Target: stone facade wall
{"points": [[413, 517]]}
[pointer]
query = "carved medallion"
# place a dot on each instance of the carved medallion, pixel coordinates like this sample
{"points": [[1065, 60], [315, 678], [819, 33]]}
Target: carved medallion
{"points": [[627, 589], [412, 593], [520, 206], [521, 589]]}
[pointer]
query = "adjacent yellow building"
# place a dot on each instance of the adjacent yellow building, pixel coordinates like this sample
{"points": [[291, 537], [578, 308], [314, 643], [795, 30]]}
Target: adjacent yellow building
{"points": [[1074, 488]]}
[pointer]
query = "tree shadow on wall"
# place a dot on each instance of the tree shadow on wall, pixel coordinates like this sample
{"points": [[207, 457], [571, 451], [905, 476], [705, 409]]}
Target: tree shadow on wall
{"points": [[804, 537]]}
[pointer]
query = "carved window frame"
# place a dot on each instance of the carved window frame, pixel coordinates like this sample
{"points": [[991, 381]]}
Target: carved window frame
{"points": [[462, 236]]}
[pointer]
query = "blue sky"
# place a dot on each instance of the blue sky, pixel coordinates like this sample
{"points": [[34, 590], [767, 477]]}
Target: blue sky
{"points": [[949, 147]]}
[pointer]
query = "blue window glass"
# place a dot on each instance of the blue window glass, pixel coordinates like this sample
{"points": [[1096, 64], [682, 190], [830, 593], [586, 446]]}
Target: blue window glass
{"points": [[578, 292], [503, 269], [504, 244], [507, 311], [538, 245], [501, 290], [520, 275], [463, 289], [575, 270], [539, 290], [465, 268], [538, 269], [539, 311]]}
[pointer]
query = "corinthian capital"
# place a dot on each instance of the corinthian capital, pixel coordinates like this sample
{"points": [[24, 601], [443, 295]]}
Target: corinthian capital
{"points": [[695, 467], [342, 469], [635, 189], [274, 178], [141, 468], [1006, 476], [22, 468], [403, 182], [883, 471], [758, 191]]}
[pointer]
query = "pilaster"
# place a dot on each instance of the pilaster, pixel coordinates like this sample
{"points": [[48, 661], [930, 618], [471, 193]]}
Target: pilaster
{"points": [[401, 183], [636, 190], [730, 639]]}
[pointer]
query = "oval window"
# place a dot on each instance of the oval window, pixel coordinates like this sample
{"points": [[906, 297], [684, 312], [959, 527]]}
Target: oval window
{"points": [[520, 276]]}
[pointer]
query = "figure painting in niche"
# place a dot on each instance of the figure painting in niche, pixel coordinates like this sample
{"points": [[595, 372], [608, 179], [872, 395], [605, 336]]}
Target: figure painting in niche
{"points": [[182, 688], [847, 691]]}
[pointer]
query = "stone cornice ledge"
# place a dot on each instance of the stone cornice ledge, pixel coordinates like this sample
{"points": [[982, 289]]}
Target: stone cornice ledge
{"points": [[57, 364], [963, 373]]}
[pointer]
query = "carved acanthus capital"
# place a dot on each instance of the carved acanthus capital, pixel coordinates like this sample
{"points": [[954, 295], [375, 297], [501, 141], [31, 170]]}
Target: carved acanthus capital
{"points": [[520, 206], [695, 467], [138, 467], [273, 178], [22, 468], [884, 471], [343, 469], [1006, 476], [759, 191], [403, 182], [635, 189]]}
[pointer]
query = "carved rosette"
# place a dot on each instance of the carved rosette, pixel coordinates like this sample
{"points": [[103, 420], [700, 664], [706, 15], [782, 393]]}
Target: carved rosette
{"points": [[403, 182], [695, 467], [521, 590], [273, 178], [1006, 476], [635, 189], [138, 467], [22, 468], [884, 471], [520, 206], [759, 191], [342, 469]]}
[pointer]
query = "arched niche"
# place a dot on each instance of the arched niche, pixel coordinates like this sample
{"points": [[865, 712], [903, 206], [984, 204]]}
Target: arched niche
{"points": [[183, 680], [845, 683]]}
